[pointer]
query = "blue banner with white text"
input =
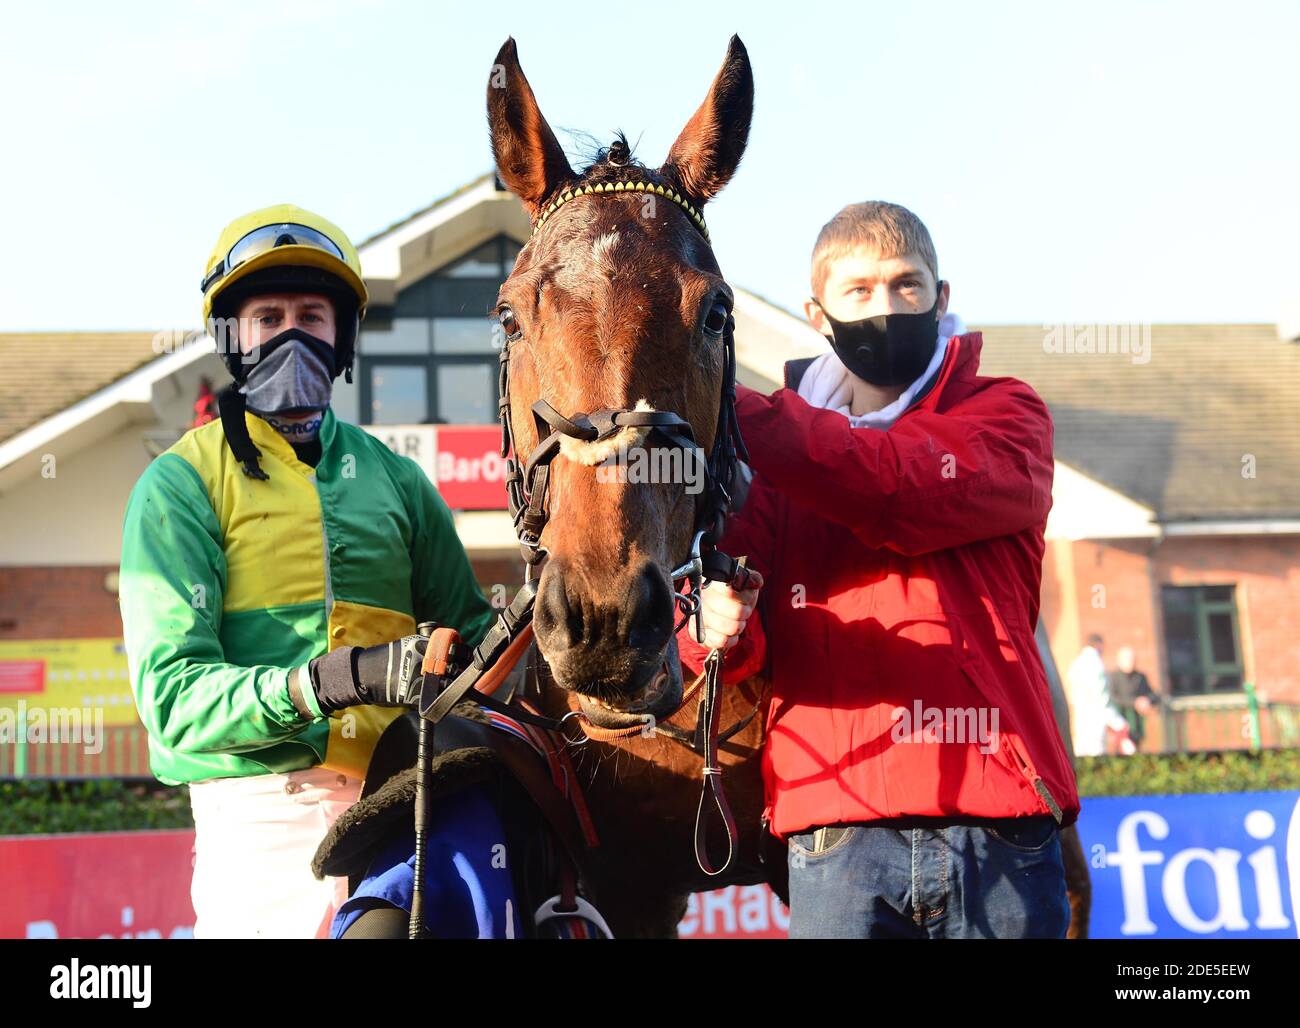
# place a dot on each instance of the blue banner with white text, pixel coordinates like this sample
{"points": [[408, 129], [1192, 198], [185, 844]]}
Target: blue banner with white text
{"points": [[1208, 865]]}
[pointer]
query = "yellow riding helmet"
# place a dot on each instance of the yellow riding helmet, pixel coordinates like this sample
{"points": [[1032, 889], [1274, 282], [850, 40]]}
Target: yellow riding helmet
{"points": [[280, 236], [284, 249]]}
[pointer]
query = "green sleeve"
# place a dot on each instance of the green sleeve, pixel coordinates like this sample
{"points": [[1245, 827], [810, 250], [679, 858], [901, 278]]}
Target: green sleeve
{"points": [[172, 582], [442, 583]]}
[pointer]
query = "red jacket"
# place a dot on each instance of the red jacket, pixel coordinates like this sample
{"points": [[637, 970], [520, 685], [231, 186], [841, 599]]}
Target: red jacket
{"points": [[902, 571]]}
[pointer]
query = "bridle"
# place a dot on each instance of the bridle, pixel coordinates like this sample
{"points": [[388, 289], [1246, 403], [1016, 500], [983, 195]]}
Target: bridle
{"points": [[528, 488]]}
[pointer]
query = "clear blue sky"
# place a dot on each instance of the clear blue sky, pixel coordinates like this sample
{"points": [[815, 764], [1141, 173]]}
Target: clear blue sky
{"points": [[1087, 162]]}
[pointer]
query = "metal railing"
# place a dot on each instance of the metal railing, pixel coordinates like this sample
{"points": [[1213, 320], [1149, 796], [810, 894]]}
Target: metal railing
{"points": [[1241, 721], [120, 751]]}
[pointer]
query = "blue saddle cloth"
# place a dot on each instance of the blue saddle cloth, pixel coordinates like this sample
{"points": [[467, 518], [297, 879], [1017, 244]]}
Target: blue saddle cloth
{"points": [[468, 890]]}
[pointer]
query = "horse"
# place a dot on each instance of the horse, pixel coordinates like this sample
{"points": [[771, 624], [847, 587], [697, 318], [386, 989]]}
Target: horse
{"points": [[617, 303]]}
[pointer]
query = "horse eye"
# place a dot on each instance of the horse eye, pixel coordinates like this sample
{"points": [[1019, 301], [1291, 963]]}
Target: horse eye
{"points": [[509, 322], [716, 321]]}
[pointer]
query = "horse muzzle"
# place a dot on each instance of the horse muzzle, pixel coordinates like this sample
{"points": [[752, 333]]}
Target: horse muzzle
{"points": [[658, 701], [614, 648]]}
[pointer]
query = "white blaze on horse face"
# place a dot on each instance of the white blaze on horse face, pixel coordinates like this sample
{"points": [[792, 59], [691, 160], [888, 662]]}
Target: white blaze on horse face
{"points": [[592, 454], [602, 252]]}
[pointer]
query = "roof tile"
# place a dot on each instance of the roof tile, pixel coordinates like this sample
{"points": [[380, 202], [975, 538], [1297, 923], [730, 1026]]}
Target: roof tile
{"points": [[1202, 425], [43, 373]]}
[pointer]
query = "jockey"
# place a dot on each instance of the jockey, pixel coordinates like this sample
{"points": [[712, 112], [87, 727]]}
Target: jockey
{"points": [[897, 511], [275, 564]]}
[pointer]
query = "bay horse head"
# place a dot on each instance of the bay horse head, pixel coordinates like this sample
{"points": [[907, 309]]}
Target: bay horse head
{"points": [[619, 358]]}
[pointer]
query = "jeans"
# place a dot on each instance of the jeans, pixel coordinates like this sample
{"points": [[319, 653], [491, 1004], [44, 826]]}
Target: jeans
{"points": [[981, 879]]}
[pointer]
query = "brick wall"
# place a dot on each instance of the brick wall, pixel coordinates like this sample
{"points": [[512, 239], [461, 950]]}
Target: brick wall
{"points": [[499, 577], [1112, 587], [73, 603], [58, 603], [1114, 597]]}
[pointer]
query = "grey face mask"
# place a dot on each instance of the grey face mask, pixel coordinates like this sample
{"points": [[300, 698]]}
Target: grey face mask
{"points": [[293, 374]]}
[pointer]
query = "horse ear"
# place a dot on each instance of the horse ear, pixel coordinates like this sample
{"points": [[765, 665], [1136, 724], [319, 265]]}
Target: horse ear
{"points": [[709, 149], [528, 156]]}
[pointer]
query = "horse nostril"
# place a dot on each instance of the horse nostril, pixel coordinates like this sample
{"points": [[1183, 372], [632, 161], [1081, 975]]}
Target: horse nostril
{"points": [[554, 617], [637, 616], [648, 614]]}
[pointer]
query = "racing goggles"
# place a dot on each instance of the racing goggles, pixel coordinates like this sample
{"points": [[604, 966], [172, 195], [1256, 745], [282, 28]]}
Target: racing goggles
{"points": [[268, 237]]}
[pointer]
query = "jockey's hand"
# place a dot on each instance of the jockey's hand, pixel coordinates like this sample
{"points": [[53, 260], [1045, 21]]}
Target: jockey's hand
{"points": [[387, 675], [725, 612]]}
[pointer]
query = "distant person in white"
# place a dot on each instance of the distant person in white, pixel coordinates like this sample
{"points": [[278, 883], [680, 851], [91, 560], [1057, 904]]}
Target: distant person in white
{"points": [[1091, 709]]}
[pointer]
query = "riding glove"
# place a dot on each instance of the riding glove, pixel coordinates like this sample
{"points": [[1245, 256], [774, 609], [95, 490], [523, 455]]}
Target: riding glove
{"points": [[387, 675]]}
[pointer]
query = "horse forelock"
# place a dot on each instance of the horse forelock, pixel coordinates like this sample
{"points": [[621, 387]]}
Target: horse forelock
{"points": [[618, 163]]}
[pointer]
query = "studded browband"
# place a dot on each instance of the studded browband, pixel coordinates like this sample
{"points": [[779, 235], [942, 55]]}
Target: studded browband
{"points": [[625, 187]]}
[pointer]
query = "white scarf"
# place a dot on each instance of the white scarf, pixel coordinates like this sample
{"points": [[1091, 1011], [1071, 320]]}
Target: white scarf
{"points": [[827, 383]]}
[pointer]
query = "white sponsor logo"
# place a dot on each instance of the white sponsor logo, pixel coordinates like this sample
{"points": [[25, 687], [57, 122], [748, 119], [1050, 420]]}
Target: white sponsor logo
{"points": [[1224, 866]]}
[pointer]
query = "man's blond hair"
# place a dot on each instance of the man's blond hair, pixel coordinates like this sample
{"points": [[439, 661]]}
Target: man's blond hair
{"points": [[885, 228]]}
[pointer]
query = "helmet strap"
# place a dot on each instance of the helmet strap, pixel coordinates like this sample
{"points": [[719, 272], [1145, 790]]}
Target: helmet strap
{"points": [[230, 402], [345, 340]]}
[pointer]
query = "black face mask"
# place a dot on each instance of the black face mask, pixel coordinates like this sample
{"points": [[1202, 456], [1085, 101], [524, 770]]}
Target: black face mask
{"points": [[888, 349]]}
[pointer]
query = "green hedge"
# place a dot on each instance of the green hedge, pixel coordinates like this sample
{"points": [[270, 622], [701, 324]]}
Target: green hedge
{"points": [[38, 806], [112, 804], [1173, 773]]}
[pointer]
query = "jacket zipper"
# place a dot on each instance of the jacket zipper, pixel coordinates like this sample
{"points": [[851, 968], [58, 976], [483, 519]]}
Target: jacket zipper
{"points": [[1022, 760], [1036, 780]]}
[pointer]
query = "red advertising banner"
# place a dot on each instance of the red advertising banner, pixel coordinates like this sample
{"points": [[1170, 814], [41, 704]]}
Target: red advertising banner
{"points": [[463, 461], [736, 912], [97, 885], [136, 885], [25, 676], [469, 470]]}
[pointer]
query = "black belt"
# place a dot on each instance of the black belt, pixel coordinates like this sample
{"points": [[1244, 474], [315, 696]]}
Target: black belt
{"points": [[938, 821]]}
